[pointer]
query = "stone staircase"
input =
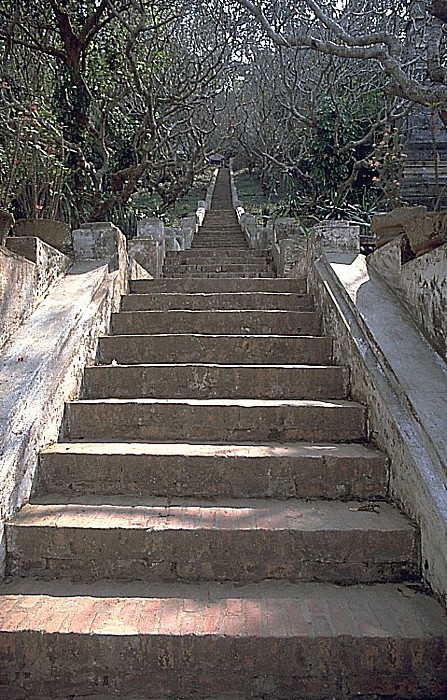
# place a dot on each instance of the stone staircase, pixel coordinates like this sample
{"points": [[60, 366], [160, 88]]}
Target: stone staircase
{"points": [[212, 522], [219, 248]]}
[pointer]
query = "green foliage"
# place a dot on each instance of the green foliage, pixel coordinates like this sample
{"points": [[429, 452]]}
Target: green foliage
{"points": [[339, 121]]}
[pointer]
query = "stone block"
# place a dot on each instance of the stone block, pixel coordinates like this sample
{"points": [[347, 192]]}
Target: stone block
{"points": [[6, 223], [137, 272], [285, 228], [55, 233], [174, 238], [151, 228], [292, 256], [341, 236], [390, 225], [189, 229], [102, 241], [28, 267], [149, 254], [426, 231]]}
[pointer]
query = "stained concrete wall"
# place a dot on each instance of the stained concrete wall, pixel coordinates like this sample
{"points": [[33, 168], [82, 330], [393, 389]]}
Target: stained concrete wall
{"points": [[397, 374], [28, 267], [420, 284], [43, 362]]}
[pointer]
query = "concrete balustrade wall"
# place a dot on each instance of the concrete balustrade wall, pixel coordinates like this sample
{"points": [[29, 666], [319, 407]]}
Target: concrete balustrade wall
{"points": [[54, 328], [420, 284], [28, 267], [257, 237], [396, 373]]}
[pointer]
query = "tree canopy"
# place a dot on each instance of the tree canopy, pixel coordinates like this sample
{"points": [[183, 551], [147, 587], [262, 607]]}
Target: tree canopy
{"points": [[101, 99]]}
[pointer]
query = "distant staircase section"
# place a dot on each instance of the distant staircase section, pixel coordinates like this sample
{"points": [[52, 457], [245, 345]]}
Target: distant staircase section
{"points": [[219, 249]]}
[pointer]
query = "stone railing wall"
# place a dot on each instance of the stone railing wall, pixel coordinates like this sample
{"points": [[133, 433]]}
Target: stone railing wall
{"points": [[28, 268], [61, 308], [393, 370], [257, 237]]}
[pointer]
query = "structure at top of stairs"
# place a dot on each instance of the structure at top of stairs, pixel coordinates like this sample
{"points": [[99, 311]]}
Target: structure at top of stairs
{"points": [[213, 522]]}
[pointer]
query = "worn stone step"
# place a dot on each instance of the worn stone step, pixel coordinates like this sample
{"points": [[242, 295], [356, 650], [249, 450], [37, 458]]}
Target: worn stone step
{"points": [[220, 254], [215, 262], [217, 267], [225, 322], [226, 540], [218, 228], [272, 284], [214, 420], [217, 301], [200, 380], [224, 349], [299, 470], [217, 275], [308, 641], [210, 240], [227, 242]]}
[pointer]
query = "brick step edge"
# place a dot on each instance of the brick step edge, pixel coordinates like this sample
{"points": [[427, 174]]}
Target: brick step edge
{"points": [[212, 641]]}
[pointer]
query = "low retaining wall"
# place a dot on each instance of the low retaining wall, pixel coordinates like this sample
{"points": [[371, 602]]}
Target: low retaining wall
{"points": [[420, 283], [42, 364], [28, 267], [401, 379]]}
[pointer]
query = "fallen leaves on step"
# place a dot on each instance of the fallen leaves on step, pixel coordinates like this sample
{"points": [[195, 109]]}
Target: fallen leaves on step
{"points": [[369, 507]]}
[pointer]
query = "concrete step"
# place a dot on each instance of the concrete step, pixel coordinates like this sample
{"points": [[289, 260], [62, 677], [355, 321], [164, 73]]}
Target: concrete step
{"points": [[224, 349], [216, 244], [299, 470], [214, 420], [225, 322], [292, 286], [215, 381], [217, 228], [231, 267], [308, 641], [218, 275], [215, 261], [243, 252], [165, 301], [182, 539]]}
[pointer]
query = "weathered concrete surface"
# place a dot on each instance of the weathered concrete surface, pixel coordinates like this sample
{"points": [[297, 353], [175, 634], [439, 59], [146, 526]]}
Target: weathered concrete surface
{"points": [[41, 369], [217, 322], [200, 380], [148, 253], [55, 233], [6, 224], [151, 228], [302, 470], [223, 300], [28, 267], [242, 541], [404, 383], [137, 272], [290, 256], [297, 286], [389, 225], [421, 284], [303, 641], [103, 240], [294, 252], [186, 347], [214, 420]]}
